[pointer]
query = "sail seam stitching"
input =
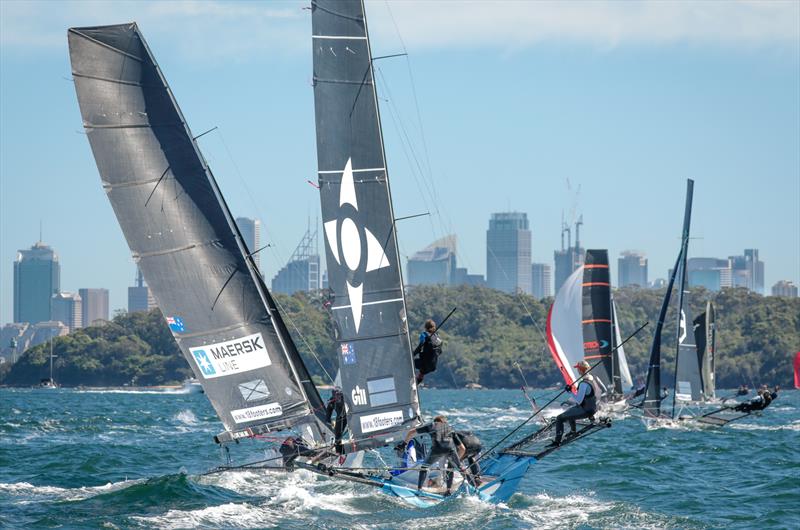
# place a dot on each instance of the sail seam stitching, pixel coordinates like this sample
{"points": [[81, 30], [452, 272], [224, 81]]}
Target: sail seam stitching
{"points": [[108, 79]]}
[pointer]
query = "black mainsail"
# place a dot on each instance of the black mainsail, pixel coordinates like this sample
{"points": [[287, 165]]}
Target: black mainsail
{"points": [[688, 382], [598, 330], [183, 237], [368, 311], [651, 405]]}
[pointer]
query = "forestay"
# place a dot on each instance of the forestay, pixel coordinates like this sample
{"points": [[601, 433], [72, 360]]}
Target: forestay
{"points": [[364, 274], [183, 237]]}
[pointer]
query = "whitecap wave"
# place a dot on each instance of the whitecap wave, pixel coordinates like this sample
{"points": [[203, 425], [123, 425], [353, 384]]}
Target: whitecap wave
{"points": [[38, 493]]}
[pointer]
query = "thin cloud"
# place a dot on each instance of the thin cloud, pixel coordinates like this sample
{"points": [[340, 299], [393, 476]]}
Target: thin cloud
{"points": [[208, 30]]}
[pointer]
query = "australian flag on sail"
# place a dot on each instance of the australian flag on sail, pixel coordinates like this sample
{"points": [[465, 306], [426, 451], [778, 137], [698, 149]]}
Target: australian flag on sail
{"points": [[176, 324], [348, 353]]}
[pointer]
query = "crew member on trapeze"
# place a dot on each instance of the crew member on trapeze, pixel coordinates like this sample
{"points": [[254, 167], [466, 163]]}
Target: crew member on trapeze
{"points": [[336, 404], [585, 405], [760, 402], [472, 448], [427, 352], [444, 450]]}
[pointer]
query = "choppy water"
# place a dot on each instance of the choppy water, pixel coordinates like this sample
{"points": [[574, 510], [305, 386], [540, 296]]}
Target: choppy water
{"points": [[76, 459]]}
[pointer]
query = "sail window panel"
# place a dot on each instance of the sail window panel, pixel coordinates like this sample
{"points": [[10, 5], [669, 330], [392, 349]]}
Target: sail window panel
{"points": [[382, 392], [337, 18]]}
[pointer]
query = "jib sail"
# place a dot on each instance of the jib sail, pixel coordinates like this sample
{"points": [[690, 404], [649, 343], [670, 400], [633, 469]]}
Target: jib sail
{"points": [[623, 382], [183, 237], [564, 326], [364, 274]]}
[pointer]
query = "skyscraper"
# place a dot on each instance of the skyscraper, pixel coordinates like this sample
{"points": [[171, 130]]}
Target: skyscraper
{"points": [[632, 269], [568, 259], [95, 305], [748, 270], [302, 272], [37, 277], [251, 233], [435, 264], [67, 309], [139, 296], [542, 280], [508, 252], [784, 288], [711, 273]]}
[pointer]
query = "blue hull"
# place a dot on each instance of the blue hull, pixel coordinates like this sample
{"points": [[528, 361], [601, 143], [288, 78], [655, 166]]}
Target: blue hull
{"points": [[508, 471]]}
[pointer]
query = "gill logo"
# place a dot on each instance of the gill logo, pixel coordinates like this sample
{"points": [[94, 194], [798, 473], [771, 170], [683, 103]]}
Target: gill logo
{"points": [[359, 396]]}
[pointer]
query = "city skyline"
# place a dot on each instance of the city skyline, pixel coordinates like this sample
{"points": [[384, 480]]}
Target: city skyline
{"points": [[626, 122]]}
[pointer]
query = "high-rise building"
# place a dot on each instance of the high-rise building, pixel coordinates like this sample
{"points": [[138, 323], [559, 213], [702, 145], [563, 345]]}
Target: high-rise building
{"points": [[711, 273], [37, 277], [67, 308], [95, 305], [748, 270], [632, 269], [542, 280], [302, 272], [139, 296], [435, 264], [785, 288], [251, 233], [508, 252], [569, 258]]}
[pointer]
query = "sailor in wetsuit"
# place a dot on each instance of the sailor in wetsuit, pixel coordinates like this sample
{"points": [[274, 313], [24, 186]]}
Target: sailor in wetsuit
{"points": [[426, 354], [585, 405], [472, 447], [291, 448], [760, 402], [443, 450], [336, 404]]}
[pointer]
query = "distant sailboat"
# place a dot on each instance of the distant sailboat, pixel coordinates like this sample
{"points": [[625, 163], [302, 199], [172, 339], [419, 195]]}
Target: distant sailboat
{"points": [[705, 337], [797, 370], [50, 382], [582, 325]]}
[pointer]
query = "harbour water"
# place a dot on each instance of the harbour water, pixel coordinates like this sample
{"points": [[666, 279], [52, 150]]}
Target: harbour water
{"points": [[115, 459]]}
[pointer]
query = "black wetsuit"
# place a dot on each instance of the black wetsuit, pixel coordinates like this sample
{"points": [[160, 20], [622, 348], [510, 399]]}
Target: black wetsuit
{"points": [[336, 404], [426, 354], [473, 447], [291, 448], [443, 451], [758, 403], [585, 409]]}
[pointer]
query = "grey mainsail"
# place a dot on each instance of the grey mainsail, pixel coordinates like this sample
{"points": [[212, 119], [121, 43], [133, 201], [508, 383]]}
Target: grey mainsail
{"points": [[183, 237], [364, 273], [705, 338]]}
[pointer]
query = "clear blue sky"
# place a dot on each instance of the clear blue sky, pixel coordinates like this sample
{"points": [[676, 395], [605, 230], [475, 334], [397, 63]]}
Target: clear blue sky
{"points": [[626, 100]]}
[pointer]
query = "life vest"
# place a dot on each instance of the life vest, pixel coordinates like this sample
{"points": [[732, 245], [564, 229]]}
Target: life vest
{"points": [[589, 403], [442, 436], [471, 443], [431, 349]]}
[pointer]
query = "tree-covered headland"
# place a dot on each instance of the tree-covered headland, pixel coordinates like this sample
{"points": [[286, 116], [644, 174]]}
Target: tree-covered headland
{"points": [[488, 336]]}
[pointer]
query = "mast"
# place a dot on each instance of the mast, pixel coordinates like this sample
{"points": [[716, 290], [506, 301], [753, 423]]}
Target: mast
{"points": [[681, 317], [52, 381]]}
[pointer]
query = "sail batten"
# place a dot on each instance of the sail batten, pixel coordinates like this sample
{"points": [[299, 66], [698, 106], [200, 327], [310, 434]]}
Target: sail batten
{"points": [[183, 237]]}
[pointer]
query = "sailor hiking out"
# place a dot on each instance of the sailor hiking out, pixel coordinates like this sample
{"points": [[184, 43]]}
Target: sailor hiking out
{"points": [[444, 450], [760, 402], [426, 354], [585, 404]]}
